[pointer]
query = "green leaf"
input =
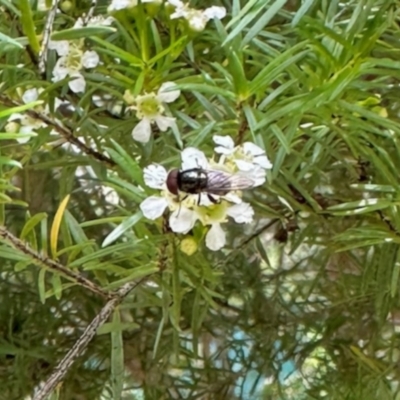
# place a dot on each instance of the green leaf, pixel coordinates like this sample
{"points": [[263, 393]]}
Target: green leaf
{"points": [[244, 18], [13, 110], [42, 285], [256, 29], [118, 52], [121, 229], [28, 25], [137, 273], [117, 358], [6, 39], [31, 224], [78, 33], [8, 161]]}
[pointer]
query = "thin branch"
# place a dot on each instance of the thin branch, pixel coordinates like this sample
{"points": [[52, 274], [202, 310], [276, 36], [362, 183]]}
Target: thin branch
{"points": [[90, 13], [52, 265], [46, 37], [62, 130], [81, 344]]}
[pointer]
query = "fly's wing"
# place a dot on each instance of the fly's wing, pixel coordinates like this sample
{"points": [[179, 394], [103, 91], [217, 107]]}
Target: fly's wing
{"points": [[221, 183]]}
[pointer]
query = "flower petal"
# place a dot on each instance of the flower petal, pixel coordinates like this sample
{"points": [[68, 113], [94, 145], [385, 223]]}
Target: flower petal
{"points": [[242, 213], [215, 238], [15, 116], [60, 46], [166, 94], [258, 153], [182, 220], [90, 59], [193, 158], [197, 21], [244, 166], [176, 3], [155, 176], [121, 4], [164, 123], [215, 12], [233, 198], [252, 149], [142, 131], [225, 141], [30, 95], [60, 71], [153, 207], [257, 174], [77, 83]]}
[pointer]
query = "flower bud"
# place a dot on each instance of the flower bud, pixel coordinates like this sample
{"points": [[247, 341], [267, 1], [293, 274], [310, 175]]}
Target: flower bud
{"points": [[188, 245]]}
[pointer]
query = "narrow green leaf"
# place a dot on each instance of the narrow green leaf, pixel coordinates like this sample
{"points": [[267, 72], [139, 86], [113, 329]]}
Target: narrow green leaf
{"points": [[395, 279], [78, 33], [13, 110], [271, 11], [122, 228], [137, 273], [7, 39], [117, 358], [111, 327], [118, 52], [8, 161], [28, 25], [57, 286], [42, 285], [305, 6]]}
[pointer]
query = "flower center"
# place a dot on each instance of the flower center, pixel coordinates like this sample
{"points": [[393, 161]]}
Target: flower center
{"points": [[148, 106], [212, 214], [74, 57]]}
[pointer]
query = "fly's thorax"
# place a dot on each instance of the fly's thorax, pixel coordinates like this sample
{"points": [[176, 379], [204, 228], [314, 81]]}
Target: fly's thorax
{"points": [[192, 180]]}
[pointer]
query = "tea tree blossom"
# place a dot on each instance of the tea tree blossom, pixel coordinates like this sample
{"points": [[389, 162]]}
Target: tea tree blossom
{"points": [[187, 210], [71, 62], [197, 19], [24, 123], [149, 109], [117, 5], [247, 157]]}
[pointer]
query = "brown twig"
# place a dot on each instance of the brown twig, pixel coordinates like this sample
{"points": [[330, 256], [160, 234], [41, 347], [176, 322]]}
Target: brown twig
{"points": [[52, 265], [62, 130], [46, 37], [81, 344], [90, 13]]}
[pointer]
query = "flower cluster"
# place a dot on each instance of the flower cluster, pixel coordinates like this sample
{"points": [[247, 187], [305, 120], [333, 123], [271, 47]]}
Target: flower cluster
{"points": [[197, 19], [246, 160], [72, 60], [23, 123], [149, 109]]}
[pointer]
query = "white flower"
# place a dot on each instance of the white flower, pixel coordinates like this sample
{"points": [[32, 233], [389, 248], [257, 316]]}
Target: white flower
{"points": [[24, 123], [149, 109], [117, 5], [187, 209], [72, 60], [98, 20], [197, 19], [182, 218], [248, 157]]}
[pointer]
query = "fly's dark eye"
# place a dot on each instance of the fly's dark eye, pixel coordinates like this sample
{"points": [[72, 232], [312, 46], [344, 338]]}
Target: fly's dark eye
{"points": [[172, 181]]}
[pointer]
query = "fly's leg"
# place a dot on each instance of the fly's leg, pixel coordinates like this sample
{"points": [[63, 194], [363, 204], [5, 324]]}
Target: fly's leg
{"points": [[180, 203], [212, 199]]}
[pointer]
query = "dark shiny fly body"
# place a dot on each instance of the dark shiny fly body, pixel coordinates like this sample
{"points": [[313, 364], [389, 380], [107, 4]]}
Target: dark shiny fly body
{"points": [[211, 182]]}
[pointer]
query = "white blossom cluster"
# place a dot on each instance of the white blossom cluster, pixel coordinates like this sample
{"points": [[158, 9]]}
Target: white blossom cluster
{"points": [[247, 159]]}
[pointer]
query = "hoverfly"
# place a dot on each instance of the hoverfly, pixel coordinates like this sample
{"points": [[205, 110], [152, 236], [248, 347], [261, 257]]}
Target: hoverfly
{"points": [[210, 182]]}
